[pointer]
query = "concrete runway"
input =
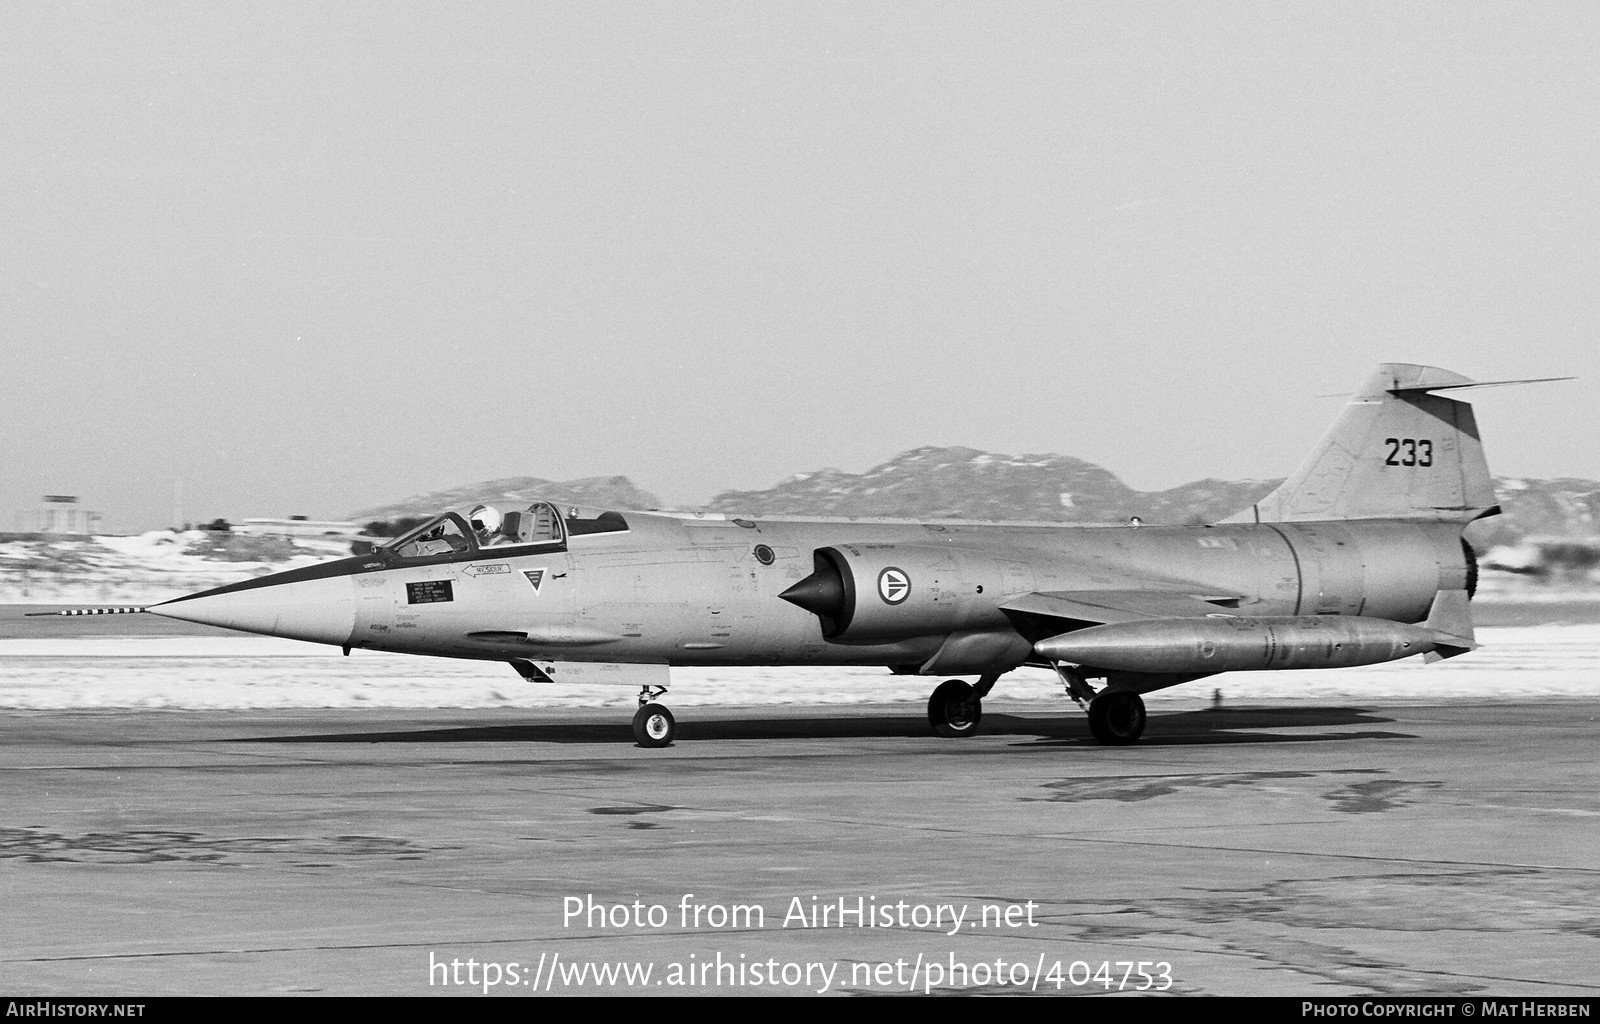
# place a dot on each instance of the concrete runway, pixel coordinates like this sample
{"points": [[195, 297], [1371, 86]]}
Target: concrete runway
{"points": [[1304, 851]]}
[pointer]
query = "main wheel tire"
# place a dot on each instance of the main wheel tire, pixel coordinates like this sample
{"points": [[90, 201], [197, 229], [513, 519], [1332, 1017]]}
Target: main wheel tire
{"points": [[954, 710], [1117, 717], [653, 726]]}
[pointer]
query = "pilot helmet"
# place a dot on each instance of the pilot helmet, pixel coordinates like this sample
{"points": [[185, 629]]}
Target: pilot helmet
{"points": [[485, 519]]}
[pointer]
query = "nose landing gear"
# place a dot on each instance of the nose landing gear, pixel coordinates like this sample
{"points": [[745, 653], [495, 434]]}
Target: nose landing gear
{"points": [[653, 724]]}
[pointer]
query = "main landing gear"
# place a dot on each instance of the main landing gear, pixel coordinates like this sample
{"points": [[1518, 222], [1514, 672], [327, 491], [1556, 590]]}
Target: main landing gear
{"points": [[956, 708], [653, 724], [1116, 717], [1116, 714]]}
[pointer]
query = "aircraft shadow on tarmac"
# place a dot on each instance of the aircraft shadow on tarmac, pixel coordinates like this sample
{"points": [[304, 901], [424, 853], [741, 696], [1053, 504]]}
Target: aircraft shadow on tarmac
{"points": [[1189, 727]]}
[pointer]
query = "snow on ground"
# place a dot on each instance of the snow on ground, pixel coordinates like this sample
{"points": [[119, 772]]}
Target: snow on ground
{"points": [[261, 672], [144, 569], [1515, 663]]}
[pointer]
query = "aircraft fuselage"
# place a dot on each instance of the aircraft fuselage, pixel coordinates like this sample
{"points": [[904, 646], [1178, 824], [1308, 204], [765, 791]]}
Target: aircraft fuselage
{"points": [[926, 597], [1356, 558]]}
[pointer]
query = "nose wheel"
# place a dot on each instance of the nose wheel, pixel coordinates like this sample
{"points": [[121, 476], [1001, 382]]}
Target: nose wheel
{"points": [[653, 724]]}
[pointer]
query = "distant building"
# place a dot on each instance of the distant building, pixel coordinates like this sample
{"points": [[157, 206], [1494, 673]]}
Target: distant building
{"points": [[298, 526], [61, 513]]}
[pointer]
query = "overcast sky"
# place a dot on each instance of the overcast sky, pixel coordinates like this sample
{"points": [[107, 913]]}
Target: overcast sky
{"points": [[311, 257]]}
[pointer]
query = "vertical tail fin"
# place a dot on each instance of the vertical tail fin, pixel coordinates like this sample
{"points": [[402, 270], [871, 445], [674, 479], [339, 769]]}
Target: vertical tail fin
{"points": [[1396, 451]]}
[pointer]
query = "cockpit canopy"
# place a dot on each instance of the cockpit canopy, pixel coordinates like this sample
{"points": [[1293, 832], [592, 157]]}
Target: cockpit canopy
{"points": [[477, 526]]}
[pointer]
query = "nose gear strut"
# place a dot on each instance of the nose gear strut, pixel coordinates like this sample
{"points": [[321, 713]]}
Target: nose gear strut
{"points": [[653, 724]]}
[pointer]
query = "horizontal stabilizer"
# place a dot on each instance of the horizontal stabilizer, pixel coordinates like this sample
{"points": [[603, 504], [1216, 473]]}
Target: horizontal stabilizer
{"points": [[1463, 384]]}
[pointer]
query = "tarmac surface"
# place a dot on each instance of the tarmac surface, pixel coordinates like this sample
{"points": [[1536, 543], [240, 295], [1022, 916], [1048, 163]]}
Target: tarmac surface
{"points": [[1310, 851]]}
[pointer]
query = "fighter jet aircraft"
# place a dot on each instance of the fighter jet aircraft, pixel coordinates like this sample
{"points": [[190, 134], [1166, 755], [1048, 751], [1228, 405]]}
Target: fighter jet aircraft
{"points": [[1357, 558]]}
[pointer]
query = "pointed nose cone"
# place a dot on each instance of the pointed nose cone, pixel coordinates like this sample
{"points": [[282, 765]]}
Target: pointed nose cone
{"points": [[320, 609]]}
